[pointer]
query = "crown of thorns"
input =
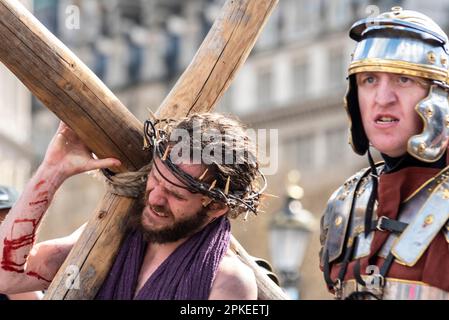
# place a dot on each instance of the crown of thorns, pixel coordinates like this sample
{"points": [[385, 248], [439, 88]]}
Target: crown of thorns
{"points": [[157, 141]]}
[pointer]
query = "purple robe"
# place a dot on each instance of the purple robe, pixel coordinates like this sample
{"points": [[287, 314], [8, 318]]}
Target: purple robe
{"points": [[187, 274]]}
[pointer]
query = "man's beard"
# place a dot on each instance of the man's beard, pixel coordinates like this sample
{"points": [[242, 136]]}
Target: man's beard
{"points": [[180, 229]]}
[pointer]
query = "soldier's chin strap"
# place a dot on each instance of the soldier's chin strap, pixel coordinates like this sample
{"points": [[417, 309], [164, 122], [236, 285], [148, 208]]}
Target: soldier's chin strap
{"points": [[373, 196], [158, 141]]}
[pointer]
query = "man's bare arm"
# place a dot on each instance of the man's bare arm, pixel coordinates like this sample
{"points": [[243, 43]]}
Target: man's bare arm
{"points": [[65, 157], [46, 256], [18, 232], [234, 281]]}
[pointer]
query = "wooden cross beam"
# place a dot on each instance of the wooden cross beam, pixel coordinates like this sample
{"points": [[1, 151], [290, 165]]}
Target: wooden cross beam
{"points": [[73, 92]]}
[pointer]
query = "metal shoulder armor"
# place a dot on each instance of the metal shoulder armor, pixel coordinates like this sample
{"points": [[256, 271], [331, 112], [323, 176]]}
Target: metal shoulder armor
{"points": [[426, 214], [336, 217]]}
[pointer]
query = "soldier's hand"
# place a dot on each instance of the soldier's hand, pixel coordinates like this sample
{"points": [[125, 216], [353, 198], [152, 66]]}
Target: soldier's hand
{"points": [[69, 155]]}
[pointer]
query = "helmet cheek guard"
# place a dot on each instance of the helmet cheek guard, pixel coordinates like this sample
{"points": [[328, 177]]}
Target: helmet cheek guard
{"points": [[430, 145], [409, 43]]}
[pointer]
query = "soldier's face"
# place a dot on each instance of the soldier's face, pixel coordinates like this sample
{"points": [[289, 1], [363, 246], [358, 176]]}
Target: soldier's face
{"points": [[387, 105]]}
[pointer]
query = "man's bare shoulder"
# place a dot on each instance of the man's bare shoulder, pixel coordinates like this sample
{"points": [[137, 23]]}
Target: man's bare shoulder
{"points": [[234, 280]]}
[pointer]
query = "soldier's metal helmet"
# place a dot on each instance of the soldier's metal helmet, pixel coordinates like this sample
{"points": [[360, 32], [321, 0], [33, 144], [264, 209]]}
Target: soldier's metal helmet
{"points": [[409, 43], [7, 197]]}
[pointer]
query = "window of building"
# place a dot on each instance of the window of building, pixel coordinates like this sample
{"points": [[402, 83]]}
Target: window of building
{"points": [[301, 151], [300, 69], [338, 13], [301, 18], [269, 37], [46, 11], [264, 87], [7, 171], [133, 10], [225, 104], [336, 144], [338, 64]]}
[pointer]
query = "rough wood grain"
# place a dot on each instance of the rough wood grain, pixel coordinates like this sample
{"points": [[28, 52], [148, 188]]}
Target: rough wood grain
{"points": [[68, 88]]}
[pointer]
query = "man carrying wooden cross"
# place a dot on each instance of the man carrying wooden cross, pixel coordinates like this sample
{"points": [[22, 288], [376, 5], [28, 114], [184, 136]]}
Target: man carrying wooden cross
{"points": [[177, 245]]}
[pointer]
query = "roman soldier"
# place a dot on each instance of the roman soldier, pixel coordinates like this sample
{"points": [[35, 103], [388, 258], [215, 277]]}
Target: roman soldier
{"points": [[385, 231]]}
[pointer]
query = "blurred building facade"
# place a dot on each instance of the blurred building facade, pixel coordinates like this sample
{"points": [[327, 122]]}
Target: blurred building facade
{"points": [[15, 123], [16, 151], [293, 81]]}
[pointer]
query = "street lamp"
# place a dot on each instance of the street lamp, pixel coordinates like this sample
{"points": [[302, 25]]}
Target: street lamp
{"points": [[289, 236]]}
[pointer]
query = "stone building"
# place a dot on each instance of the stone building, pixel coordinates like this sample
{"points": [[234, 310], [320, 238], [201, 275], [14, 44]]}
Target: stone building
{"points": [[16, 150]]}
